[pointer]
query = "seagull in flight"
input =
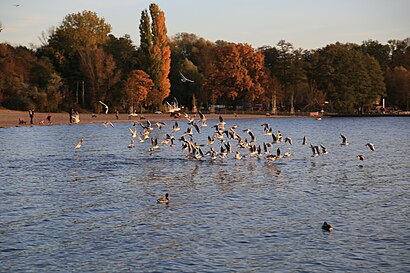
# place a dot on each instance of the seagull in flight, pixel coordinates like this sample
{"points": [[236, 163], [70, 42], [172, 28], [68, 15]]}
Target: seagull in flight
{"points": [[175, 127], [78, 146], [202, 119], [183, 78], [371, 146], [105, 124], [344, 140], [105, 105], [173, 107], [360, 156], [132, 144], [133, 132]]}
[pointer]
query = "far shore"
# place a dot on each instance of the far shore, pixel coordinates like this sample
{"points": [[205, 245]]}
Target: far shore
{"points": [[10, 118]]}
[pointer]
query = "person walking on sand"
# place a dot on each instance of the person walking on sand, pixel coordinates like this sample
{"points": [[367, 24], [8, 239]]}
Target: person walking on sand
{"points": [[31, 114], [49, 120], [71, 115], [117, 114]]}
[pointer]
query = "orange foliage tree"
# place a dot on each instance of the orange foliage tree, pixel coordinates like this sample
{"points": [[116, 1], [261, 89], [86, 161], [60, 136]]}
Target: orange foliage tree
{"points": [[236, 75], [155, 53], [138, 86]]}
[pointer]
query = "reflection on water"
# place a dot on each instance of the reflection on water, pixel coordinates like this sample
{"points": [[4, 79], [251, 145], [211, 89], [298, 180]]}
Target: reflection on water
{"points": [[94, 209]]}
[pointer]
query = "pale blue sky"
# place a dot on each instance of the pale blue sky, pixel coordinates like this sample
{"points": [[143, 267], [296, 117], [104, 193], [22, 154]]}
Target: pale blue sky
{"points": [[306, 24]]}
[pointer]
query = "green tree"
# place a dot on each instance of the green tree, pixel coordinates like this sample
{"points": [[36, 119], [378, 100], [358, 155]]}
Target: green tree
{"points": [[400, 53], [101, 74], [398, 85], [155, 53], [124, 53], [377, 50], [350, 79], [191, 55]]}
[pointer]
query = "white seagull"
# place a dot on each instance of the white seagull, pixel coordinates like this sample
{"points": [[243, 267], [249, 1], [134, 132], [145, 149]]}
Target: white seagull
{"points": [[79, 143], [133, 132], [183, 78], [105, 105], [173, 107], [132, 144], [202, 119], [105, 124], [344, 140], [371, 146]]}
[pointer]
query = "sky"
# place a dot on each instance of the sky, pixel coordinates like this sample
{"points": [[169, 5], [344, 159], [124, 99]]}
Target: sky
{"points": [[307, 24]]}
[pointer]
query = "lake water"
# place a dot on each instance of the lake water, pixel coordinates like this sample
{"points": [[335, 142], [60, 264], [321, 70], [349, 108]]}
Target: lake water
{"points": [[94, 209]]}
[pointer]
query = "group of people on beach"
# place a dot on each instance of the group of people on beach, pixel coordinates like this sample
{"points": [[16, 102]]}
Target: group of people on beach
{"points": [[49, 119]]}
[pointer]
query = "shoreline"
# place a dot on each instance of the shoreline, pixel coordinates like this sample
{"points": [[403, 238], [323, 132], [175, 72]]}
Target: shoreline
{"points": [[10, 118]]}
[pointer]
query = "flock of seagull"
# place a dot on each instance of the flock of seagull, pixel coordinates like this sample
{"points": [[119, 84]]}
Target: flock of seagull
{"points": [[225, 141]]}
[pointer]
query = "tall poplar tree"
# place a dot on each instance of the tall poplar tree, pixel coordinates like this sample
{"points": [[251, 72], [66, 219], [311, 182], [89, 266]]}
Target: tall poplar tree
{"points": [[155, 53]]}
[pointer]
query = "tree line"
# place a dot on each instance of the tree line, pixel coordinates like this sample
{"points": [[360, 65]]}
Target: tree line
{"points": [[80, 63]]}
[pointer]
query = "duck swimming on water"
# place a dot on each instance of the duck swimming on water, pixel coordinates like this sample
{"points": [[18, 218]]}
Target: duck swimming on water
{"points": [[164, 200], [327, 226]]}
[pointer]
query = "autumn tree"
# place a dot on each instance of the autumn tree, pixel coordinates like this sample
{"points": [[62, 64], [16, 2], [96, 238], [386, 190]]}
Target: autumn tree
{"points": [[27, 81], [79, 32], [236, 75], [155, 53], [138, 86]]}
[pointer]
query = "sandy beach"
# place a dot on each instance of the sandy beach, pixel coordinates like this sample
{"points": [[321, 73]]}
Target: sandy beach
{"points": [[10, 118]]}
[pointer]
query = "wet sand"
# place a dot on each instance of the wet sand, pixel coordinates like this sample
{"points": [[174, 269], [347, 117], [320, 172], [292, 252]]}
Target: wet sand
{"points": [[10, 118]]}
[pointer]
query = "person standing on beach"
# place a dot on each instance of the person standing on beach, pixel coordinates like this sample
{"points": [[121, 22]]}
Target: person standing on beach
{"points": [[49, 120], [71, 115], [31, 114], [117, 114]]}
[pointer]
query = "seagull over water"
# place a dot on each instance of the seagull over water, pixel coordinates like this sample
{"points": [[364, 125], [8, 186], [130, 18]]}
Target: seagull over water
{"points": [[133, 132], [344, 140], [132, 144], [105, 105], [202, 119], [78, 146], [371, 146], [105, 124], [175, 127], [360, 156]]}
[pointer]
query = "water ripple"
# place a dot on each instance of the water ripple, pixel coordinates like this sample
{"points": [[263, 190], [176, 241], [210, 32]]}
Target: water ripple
{"points": [[94, 209]]}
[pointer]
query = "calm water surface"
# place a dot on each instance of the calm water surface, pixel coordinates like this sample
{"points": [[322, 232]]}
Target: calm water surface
{"points": [[94, 209]]}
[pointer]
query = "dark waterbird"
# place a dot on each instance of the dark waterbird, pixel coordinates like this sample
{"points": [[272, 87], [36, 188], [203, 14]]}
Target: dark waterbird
{"points": [[327, 226], [163, 199]]}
